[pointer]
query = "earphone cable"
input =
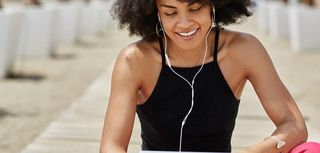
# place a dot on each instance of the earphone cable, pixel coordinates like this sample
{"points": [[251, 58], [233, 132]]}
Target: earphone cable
{"points": [[190, 84]]}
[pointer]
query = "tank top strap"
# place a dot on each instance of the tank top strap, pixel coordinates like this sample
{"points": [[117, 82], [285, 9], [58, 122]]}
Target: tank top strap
{"points": [[216, 43], [163, 59]]}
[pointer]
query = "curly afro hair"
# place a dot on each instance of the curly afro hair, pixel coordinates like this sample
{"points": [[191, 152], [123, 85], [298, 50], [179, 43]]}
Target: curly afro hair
{"points": [[140, 16]]}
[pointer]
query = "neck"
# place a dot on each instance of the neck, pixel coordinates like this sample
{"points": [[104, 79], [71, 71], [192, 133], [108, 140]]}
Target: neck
{"points": [[190, 57]]}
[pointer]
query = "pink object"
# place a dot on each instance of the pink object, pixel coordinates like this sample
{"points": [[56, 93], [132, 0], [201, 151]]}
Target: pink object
{"points": [[307, 147]]}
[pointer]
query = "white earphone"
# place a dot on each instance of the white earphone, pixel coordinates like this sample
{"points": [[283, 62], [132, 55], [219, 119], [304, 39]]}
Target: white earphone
{"points": [[194, 77]]}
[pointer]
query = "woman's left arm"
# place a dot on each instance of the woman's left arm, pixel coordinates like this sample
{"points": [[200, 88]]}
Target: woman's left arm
{"points": [[274, 97]]}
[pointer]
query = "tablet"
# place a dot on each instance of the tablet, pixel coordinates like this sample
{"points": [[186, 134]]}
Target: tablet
{"points": [[177, 151]]}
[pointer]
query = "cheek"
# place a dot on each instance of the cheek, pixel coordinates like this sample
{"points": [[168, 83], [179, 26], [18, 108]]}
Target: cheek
{"points": [[168, 25], [205, 17], [205, 20]]}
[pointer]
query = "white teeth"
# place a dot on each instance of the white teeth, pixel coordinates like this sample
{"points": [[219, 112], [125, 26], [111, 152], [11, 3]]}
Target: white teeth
{"points": [[186, 34]]}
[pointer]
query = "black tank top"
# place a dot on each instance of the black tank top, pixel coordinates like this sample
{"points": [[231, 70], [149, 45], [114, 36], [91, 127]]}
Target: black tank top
{"points": [[209, 126]]}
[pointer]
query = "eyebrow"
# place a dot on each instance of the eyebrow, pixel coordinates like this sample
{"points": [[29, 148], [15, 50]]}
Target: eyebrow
{"points": [[169, 6]]}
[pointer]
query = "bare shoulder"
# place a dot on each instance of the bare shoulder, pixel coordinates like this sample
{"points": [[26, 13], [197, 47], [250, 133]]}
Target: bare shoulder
{"points": [[136, 59], [137, 54], [243, 43], [246, 50], [134, 53]]}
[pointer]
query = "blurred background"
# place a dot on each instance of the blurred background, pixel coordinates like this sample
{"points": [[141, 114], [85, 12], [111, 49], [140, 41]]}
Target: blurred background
{"points": [[56, 57]]}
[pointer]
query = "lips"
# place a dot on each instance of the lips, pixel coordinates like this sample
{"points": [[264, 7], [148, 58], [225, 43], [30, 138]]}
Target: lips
{"points": [[188, 34]]}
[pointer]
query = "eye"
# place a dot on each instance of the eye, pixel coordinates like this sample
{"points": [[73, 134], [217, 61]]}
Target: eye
{"points": [[195, 9], [170, 13]]}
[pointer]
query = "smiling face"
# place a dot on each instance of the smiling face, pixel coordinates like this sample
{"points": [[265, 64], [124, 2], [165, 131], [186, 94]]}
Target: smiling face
{"points": [[185, 24]]}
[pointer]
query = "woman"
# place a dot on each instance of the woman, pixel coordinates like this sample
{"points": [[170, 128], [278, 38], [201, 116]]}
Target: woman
{"points": [[185, 77]]}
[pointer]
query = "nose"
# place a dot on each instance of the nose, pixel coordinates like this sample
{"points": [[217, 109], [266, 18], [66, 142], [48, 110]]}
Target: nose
{"points": [[184, 22]]}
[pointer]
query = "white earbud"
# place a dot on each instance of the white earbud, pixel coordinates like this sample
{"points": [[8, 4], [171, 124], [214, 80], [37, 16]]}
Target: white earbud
{"points": [[213, 17], [159, 17]]}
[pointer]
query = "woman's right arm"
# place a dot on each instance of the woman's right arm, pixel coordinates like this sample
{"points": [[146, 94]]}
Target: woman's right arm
{"points": [[121, 109]]}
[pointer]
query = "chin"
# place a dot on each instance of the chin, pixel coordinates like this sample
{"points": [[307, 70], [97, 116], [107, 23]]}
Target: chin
{"points": [[190, 44], [188, 41]]}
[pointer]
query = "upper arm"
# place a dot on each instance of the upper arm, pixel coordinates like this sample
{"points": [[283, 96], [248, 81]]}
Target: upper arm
{"points": [[121, 109], [260, 71]]}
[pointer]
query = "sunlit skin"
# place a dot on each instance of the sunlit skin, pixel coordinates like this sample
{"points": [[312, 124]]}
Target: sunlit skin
{"points": [[241, 58]]}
